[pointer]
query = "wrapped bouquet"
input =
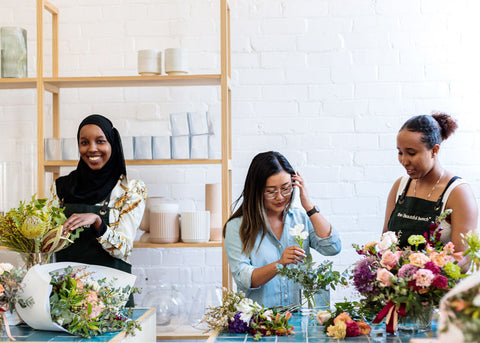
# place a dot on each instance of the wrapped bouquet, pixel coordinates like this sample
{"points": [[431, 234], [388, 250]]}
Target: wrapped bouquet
{"points": [[84, 300]]}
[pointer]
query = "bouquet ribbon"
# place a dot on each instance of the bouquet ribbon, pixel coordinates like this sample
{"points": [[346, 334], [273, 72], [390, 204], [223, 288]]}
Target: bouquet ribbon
{"points": [[7, 328], [391, 311]]}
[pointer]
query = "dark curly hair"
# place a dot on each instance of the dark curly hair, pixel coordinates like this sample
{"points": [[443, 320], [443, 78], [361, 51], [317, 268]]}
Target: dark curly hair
{"points": [[435, 128]]}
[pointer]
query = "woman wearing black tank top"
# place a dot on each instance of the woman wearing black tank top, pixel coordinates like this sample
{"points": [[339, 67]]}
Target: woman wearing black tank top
{"points": [[414, 201]]}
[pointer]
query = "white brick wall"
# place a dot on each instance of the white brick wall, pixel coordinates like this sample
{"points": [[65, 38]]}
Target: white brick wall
{"points": [[327, 82]]}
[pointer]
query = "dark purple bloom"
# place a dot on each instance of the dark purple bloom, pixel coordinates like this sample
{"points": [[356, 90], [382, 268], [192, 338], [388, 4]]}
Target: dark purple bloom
{"points": [[431, 266], [237, 325], [364, 277]]}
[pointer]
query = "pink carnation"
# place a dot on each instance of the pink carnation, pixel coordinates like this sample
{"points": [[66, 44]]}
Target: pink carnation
{"points": [[423, 277], [431, 266], [352, 329], [383, 275], [390, 259], [440, 282]]}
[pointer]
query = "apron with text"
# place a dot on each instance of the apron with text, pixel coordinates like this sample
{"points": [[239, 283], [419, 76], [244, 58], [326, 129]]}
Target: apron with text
{"points": [[412, 216], [86, 248]]}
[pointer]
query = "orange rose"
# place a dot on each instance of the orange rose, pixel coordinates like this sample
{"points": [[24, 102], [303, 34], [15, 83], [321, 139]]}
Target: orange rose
{"points": [[419, 259], [342, 317], [437, 259], [364, 328]]}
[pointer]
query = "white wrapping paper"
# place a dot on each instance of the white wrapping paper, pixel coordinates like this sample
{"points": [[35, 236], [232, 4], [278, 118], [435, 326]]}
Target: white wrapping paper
{"points": [[37, 286], [454, 334]]}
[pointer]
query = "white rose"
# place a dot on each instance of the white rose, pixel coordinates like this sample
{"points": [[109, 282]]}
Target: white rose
{"points": [[323, 316], [388, 239], [5, 267], [476, 301]]}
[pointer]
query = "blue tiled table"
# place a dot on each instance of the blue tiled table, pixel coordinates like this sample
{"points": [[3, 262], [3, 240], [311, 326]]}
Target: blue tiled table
{"points": [[307, 330], [144, 316]]}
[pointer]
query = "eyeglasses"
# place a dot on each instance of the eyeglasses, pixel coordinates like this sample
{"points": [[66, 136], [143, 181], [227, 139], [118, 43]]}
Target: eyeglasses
{"points": [[284, 192]]}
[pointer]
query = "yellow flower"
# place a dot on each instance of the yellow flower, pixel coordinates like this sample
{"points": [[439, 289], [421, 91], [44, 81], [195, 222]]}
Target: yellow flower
{"points": [[32, 227], [338, 331]]}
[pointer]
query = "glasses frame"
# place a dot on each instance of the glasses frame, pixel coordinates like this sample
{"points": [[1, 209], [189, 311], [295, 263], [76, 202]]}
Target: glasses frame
{"points": [[268, 195]]}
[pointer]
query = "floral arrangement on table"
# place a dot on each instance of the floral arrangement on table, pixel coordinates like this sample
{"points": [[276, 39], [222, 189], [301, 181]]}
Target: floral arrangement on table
{"points": [[346, 320], [87, 307], [35, 227], [10, 285], [406, 283], [311, 276], [460, 307], [239, 314]]}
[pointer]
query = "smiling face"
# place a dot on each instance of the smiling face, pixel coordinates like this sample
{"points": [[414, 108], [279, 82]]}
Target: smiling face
{"points": [[280, 182], [94, 148], [414, 155]]}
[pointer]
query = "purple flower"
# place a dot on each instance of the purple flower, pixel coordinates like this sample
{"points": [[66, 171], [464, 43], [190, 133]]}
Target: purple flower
{"points": [[407, 270], [364, 277], [237, 325]]}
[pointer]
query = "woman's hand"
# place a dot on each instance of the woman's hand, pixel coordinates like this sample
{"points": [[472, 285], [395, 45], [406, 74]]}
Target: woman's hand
{"points": [[77, 220], [299, 182], [292, 254]]}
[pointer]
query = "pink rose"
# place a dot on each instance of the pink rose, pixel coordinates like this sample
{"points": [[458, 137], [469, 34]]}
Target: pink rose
{"points": [[383, 275], [423, 277], [390, 259], [419, 259]]}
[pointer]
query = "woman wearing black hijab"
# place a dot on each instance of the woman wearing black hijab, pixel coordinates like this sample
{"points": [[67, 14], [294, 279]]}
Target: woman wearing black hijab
{"points": [[98, 197]]}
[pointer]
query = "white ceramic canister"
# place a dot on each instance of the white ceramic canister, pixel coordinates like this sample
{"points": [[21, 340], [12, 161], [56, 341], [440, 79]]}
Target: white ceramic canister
{"points": [[176, 61], [149, 62], [164, 223], [195, 226]]}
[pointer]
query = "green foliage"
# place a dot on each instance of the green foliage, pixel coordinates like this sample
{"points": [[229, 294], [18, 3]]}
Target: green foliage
{"points": [[312, 277], [86, 308]]}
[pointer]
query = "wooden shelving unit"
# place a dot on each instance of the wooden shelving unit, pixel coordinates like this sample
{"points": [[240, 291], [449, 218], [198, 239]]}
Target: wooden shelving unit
{"points": [[53, 85]]}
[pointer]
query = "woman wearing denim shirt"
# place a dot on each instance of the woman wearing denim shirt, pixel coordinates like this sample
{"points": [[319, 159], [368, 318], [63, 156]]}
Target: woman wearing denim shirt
{"points": [[257, 236]]}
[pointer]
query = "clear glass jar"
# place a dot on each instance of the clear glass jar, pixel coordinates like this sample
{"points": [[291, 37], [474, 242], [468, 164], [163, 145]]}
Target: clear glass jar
{"points": [[167, 307], [13, 51]]}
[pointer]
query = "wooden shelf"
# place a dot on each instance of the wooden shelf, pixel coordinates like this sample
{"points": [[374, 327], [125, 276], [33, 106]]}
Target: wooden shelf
{"points": [[18, 83], [134, 81], [211, 244], [49, 164]]}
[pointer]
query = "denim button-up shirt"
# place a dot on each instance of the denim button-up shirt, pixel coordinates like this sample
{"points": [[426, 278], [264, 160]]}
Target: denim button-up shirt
{"points": [[279, 291]]}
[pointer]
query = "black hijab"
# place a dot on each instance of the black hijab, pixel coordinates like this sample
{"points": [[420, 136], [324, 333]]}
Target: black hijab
{"points": [[88, 186]]}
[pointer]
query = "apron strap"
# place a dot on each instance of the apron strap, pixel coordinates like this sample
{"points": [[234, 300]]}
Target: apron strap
{"points": [[438, 204], [103, 209], [402, 196]]}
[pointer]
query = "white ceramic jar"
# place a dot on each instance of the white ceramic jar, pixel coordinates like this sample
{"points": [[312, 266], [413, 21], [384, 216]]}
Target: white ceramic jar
{"points": [[195, 226], [176, 61], [149, 62]]}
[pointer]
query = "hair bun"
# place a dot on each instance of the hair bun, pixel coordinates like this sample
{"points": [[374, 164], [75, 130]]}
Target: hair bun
{"points": [[448, 125]]}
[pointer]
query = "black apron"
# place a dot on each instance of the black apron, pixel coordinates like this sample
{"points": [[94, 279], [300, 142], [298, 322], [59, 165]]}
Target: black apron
{"points": [[86, 248], [412, 216]]}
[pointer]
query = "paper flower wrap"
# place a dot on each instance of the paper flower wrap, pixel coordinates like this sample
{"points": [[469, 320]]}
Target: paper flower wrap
{"points": [[453, 333], [37, 286]]}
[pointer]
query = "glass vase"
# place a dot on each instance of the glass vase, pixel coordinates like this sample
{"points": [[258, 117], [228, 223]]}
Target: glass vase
{"points": [[32, 258], [417, 320], [13, 51]]}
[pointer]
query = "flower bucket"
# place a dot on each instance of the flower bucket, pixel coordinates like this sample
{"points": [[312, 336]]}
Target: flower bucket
{"points": [[38, 287]]}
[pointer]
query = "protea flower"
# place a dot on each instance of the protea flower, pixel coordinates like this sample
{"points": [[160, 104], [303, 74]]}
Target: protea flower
{"points": [[32, 227]]}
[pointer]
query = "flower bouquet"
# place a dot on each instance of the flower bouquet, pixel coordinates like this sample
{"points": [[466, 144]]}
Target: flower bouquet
{"points": [[346, 320], [406, 284], [84, 300], [10, 286], [238, 314], [460, 308], [312, 277], [35, 229]]}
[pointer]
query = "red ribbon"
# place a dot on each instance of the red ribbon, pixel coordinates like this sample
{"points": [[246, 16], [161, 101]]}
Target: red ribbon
{"points": [[391, 311]]}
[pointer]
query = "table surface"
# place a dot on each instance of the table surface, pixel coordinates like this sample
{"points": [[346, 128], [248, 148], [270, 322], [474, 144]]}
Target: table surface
{"points": [[24, 333], [307, 330]]}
